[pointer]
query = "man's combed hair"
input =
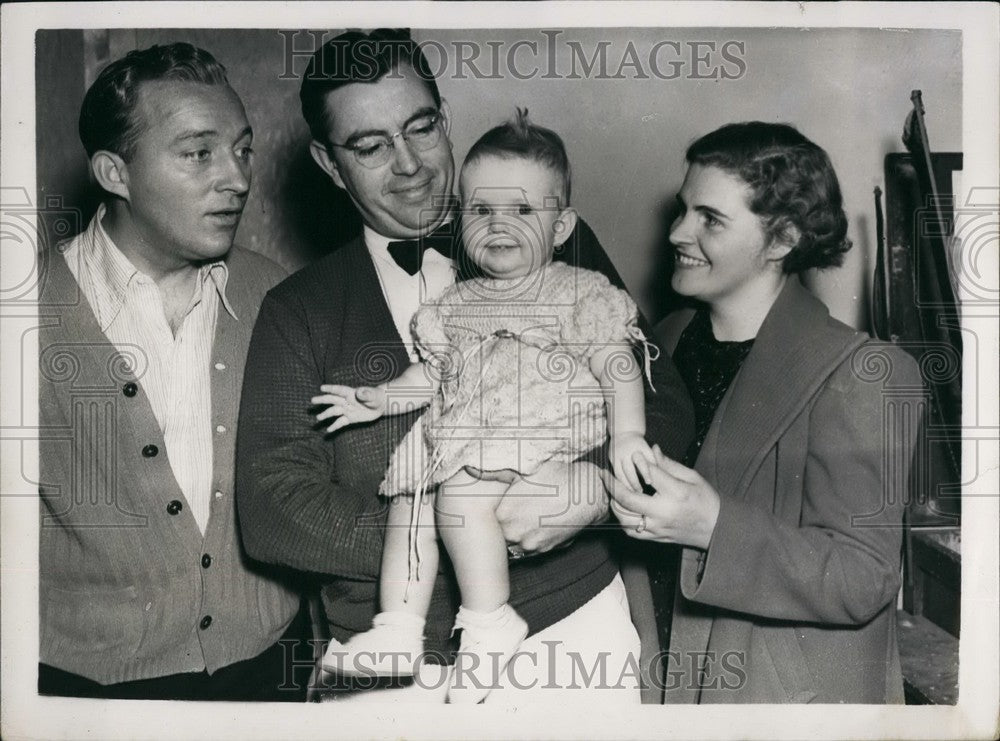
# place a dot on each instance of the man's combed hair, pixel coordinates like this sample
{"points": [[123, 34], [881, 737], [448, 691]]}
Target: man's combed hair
{"points": [[108, 119], [358, 57], [792, 184], [522, 139]]}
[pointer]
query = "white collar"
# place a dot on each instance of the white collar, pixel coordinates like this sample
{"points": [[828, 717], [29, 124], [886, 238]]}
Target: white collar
{"points": [[377, 244], [112, 272]]}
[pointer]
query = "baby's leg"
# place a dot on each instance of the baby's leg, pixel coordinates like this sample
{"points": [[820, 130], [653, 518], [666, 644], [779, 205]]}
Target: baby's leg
{"points": [[397, 592], [394, 644], [491, 629], [467, 523]]}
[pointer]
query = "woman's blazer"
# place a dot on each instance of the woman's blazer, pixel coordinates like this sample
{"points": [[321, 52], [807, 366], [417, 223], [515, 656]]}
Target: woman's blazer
{"points": [[810, 451]]}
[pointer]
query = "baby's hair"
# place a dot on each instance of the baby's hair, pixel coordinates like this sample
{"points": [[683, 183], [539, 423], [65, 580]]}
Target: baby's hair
{"points": [[520, 138]]}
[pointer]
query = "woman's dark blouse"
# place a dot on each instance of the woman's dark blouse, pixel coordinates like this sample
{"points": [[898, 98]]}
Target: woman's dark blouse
{"points": [[708, 367]]}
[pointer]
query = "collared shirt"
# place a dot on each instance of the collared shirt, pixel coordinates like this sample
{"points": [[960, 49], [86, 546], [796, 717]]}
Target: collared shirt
{"points": [[173, 368], [405, 293]]}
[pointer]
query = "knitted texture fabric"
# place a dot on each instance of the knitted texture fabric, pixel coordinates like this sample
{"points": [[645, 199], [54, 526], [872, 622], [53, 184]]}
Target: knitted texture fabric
{"points": [[122, 582], [516, 384]]}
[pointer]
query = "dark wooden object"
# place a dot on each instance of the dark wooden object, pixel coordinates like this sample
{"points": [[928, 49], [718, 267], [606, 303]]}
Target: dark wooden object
{"points": [[914, 307], [929, 659], [933, 585], [929, 622]]}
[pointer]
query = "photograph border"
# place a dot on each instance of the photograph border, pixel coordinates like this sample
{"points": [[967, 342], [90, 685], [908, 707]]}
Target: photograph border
{"points": [[26, 715]]}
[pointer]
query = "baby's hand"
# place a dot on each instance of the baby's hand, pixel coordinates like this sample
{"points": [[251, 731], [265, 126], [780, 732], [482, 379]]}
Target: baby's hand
{"points": [[350, 406], [629, 452]]}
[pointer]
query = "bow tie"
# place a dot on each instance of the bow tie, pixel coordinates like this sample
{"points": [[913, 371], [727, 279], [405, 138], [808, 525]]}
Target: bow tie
{"points": [[409, 253]]}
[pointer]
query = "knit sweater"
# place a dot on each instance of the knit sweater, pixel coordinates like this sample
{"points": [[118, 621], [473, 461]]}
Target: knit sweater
{"points": [[311, 501], [129, 587]]}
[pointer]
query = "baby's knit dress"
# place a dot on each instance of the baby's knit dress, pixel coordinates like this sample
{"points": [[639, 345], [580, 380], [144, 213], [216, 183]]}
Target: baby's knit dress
{"points": [[516, 387]]}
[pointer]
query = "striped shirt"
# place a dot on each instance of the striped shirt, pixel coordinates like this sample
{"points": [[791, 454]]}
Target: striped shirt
{"points": [[173, 368]]}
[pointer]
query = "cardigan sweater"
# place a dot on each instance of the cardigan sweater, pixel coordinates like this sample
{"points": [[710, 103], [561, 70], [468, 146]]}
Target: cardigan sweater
{"points": [[129, 587], [794, 600], [310, 501]]}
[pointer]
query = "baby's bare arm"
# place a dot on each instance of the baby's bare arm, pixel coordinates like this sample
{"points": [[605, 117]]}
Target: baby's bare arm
{"points": [[413, 388], [621, 381]]}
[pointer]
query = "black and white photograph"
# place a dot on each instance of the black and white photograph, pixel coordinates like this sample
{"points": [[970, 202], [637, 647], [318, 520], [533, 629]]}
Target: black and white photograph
{"points": [[615, 370]]}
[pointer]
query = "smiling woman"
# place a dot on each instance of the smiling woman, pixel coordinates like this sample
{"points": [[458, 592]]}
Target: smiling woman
{"points": [[781, 470], [723, 256], [759, 202]]}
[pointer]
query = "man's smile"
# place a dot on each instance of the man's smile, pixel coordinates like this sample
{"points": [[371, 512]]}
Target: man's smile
{"points": [[414, 191]]}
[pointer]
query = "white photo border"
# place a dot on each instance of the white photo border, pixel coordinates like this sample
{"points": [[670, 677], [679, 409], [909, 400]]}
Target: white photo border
{"points": [[26, 715]]}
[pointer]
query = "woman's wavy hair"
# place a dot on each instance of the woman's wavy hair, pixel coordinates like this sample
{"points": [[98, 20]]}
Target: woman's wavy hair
{"points": [[108, 118], [793, 188]]}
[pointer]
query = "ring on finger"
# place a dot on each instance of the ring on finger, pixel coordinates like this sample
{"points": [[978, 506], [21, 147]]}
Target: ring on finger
{"points": [[642, 524], [515, 552]]}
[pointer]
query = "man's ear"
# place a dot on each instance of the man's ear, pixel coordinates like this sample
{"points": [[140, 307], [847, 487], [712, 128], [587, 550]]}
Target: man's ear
{"points": [[446, 118], [111, 172], [564, 225], [321, 155]]}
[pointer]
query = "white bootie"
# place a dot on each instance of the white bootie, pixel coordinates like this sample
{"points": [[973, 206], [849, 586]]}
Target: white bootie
{"points": [[489, 642], [392, 647]]}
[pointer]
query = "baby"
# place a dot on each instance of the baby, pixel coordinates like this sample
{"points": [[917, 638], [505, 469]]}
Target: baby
{"points": [[530, 361]]}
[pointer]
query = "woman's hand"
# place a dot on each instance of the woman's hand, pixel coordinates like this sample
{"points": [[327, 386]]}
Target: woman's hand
{"points": [[349, 405], [683, 510]]}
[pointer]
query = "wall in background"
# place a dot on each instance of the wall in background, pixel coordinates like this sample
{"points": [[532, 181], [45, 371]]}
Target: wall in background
{"points": [[847, 89]]}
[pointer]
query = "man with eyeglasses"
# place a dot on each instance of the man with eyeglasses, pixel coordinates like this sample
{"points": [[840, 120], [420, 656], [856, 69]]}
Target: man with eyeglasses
{"points": [[380, 131]]}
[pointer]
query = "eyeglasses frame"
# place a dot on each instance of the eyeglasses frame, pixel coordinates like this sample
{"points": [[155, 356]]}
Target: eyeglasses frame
{"points": [[438, 119]]}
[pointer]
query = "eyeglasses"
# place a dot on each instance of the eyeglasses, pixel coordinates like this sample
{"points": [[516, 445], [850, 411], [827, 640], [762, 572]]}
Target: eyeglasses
{"points": [[375, 150]]}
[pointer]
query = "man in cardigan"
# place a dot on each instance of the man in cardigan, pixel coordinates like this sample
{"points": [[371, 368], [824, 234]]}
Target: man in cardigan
{"points": [[146, 316], [380, 131]]}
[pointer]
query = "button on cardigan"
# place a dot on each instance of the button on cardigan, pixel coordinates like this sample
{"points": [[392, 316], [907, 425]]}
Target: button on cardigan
{"points": [[122, 588]]}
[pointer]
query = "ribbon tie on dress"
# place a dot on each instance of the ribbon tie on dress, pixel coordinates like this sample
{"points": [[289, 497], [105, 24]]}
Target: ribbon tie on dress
{"points": [[650, 352]]}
